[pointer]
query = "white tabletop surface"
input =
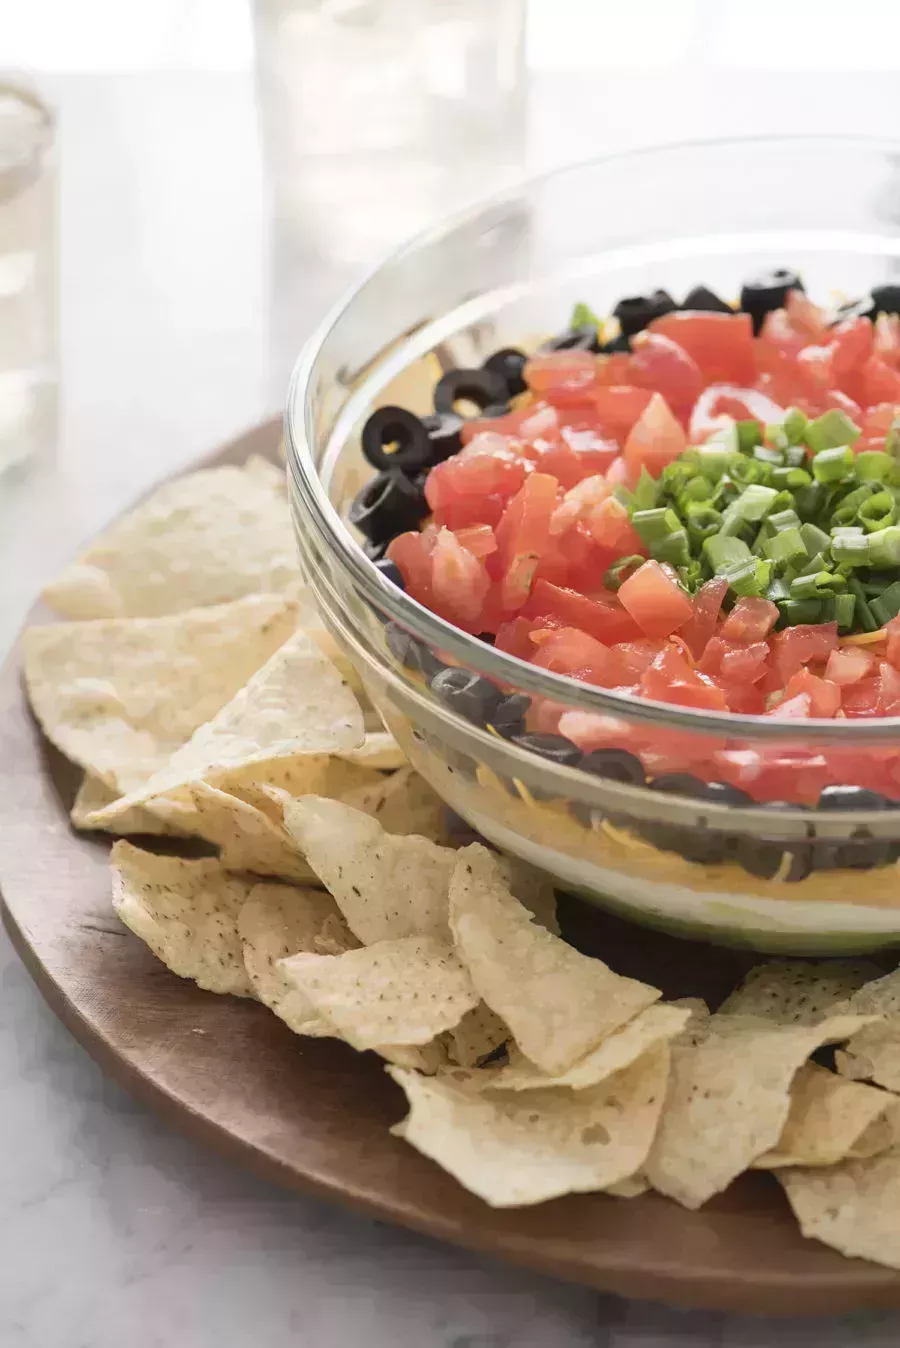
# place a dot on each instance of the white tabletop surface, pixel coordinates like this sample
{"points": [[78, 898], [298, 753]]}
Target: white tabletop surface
{"points": [[179, 323]]}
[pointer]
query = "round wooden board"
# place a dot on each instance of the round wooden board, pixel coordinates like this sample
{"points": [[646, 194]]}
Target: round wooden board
{"points": [[314, 1116]]}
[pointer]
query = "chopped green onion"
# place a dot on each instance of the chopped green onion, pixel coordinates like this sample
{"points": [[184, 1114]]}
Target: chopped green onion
{"points": [[778, 590], [781, 520], [833, 464], [851, 547], [785, 546], [816, 539], [619, 572], [727, 437], [773, 457], [886, 605], [815, 585], [832, 430], [698, 489], [892, 439], [844, 610], [749, 434], [815, 563], [795, 456], [653, 525], [863, 614], [809, 501], [878, 511], [748, 471], [790, 478], [884, 547], [748, 577], [795, 611], [646, 492], [873, 465], [794, 425], [721, 551], [776, 436], [702, 520], [584, 316], [712, 459], [674, 548]]}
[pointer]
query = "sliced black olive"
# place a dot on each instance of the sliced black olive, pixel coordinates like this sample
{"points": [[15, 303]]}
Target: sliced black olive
{"points": [[484, 388], [496, 410], [864, 307], [680, 784], [466, 693], [508, 717], [410, 652], [509, 363], [585, 338], [703, 300], [762, 294], [616, 764], [616, 344], [886, 299], [766, 859], [387, 506], [555, 748], [487, 637], [854, 798], [391, 571], [863, 852], [636, 311], [721, 793], [694, 844], [399, 427], [444, 439]]}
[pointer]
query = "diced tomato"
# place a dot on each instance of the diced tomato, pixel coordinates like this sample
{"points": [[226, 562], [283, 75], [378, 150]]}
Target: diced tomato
{"points": [[824, 696], [880, 384], [459, 581], [745, 699], [638, 655], [851, 346], [514, 637], [522, 535], [887, 339], [701, 625], [862, 698], [562, 376], [734, 663], [410, 552], [806, 317], [655, 600], [507, 425], [876, 422], [478, 539], [779, 333], [721, 404], [486, 467], [578, 455], [662, 365], [721, 345], [791, 774], [657, 438], [798, 646], [602, 616], [578, 503], [618, 408], [541, 424], [594, 730], [570, 651], [671, 679], [544, 716], [792, 708], [751, 619], [893, 642], [848, 664], [889, 689]]}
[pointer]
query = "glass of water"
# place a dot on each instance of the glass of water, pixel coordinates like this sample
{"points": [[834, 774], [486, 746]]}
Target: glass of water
{"points": [[28, 329]]}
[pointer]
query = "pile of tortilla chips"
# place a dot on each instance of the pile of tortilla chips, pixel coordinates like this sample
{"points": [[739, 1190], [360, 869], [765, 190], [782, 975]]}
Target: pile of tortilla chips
{"points": [[195, 687]]}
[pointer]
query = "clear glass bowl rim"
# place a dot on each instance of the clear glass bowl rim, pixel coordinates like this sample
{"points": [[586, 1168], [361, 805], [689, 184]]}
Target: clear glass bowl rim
{"points": [[426, 626]]}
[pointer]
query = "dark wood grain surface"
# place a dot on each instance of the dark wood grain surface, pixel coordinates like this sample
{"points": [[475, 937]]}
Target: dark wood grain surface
{"points": [[314, 1116]]}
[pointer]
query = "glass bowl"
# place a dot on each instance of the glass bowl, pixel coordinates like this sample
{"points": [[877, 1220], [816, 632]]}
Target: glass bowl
{"points": [[789, 878]]}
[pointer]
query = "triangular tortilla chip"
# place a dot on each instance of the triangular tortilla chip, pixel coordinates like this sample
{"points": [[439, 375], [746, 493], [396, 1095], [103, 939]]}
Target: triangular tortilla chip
{"points": [[380, 751], [247, 839], [479, 1034], [852, 1207], [186, 912], [729, 1098], [558, 1003], [207, 538], [402, 803], [119, 696], [386, 886], [830, 1120], [295, 704], [281, 920], [94, 796], [406, 991], [797, 992], [514, 1149], [657, 1025], [874, 1053]]}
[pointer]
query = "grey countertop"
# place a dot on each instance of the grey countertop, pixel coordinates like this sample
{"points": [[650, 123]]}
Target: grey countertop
{"points": [[177, 333]]}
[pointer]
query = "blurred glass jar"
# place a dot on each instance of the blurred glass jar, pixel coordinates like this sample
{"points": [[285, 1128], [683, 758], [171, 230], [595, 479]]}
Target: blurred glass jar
{"points": [[379, 115], [28, 246]]}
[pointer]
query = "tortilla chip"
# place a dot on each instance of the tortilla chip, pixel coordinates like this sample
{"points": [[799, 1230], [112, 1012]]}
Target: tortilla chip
{"points": [[799, 992], [402, 803], [657, 1025], [295, 704], [852, 1207], [186, 912], [829, 1120], [119, 696], [729, 1099], [207, 538], [386, 886], [512, 1149], [479, 1034], [632, 1187], [403, 991], [874, 1053], [558, 1004], [266, 785], [380, 751], [282, 920], [247, 839], [94, 795]]}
